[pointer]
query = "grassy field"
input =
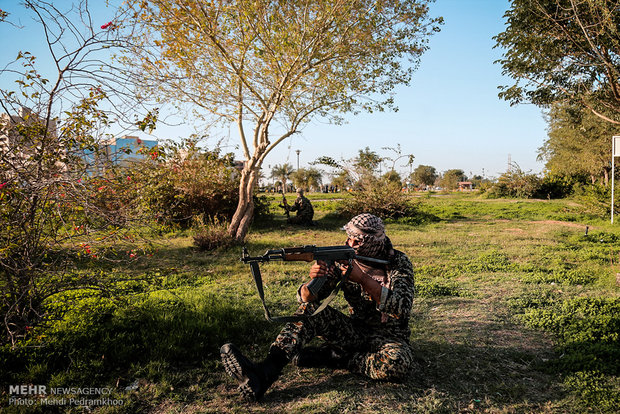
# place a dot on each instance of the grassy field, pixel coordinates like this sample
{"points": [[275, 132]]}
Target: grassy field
{"points": [[517, 311]]}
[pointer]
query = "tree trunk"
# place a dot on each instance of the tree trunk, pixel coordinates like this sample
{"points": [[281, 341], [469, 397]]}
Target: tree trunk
{"points": [[245, 208], [606, 176]]}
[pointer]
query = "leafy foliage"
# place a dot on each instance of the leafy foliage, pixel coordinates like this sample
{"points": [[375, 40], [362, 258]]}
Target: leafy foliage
{"points": [[181, 181], [307, 178], [63, 204], [258, 62], [451, 178], [560, 50], [282, 173], [516, 183], [382, 198], [578, 143], [424, 175]]}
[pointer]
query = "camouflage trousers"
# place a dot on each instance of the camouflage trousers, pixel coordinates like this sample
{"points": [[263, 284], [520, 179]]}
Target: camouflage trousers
{"points": [[373, 354]]}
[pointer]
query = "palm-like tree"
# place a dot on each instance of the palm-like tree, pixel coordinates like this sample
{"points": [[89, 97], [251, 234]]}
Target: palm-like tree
{"points": [[282, 172]]}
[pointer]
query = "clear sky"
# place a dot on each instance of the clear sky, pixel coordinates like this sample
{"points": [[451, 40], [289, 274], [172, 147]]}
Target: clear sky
{"points": [[449, 117]]}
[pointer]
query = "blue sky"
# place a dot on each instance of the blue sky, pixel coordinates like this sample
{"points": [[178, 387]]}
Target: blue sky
{"points": [[449, 117]]}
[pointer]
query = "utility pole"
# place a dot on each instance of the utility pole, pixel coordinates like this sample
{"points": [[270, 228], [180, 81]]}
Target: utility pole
{"points": [[298, 151]]}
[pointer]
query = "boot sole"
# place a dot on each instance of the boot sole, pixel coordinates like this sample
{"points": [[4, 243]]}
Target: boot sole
{"points": [[230, 359]]}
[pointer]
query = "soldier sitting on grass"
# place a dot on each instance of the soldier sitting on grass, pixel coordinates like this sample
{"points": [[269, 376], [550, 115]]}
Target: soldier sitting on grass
{"points": [[304, 210], [373, 340]]}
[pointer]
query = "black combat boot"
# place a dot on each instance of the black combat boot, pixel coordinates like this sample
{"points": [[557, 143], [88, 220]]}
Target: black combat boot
{"points": [[254, 379], [324, 356]]}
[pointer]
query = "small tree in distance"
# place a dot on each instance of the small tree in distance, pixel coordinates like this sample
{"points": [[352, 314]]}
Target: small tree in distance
{"points": [[451, 178], [424, 175], [282, 172], [307, 178]]}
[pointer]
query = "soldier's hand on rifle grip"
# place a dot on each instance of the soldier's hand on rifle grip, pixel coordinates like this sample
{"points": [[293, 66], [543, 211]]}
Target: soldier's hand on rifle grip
{"points": [[318, 269]]}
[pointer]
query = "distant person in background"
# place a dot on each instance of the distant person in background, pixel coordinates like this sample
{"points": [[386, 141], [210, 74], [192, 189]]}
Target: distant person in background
{"points": [[304, 209]]}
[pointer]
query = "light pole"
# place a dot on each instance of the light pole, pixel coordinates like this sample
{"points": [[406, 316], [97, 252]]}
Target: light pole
{"points": [[298, 151]]}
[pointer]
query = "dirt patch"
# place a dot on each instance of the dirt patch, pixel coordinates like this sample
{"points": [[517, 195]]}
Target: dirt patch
{"points": [[561, 223]]}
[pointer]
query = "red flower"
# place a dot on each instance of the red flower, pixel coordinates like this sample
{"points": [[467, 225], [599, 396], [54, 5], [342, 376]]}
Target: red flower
{"points": [[2, 185], [105, 26], [138, 141]]}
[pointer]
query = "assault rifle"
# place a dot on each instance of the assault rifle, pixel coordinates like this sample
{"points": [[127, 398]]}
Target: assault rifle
{"points": [[331, 255], [284, 205]]}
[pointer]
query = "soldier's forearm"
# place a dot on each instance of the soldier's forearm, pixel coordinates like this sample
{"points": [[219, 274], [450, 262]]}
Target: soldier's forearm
{"points": [[305, 294], [372, 287]]}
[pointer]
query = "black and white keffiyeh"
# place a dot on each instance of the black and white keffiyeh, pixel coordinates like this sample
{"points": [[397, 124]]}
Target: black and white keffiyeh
{"points": [[369, 231]]}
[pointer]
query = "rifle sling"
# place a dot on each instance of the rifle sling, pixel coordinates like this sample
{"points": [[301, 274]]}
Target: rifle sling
{"points": [[258, 281]]}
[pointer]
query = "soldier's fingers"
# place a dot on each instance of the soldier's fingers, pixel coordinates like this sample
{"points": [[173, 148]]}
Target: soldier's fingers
{"points": [[322, 264]]}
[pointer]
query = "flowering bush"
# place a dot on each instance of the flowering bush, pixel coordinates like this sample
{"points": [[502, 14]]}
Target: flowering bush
{"points": [[180, 181]]}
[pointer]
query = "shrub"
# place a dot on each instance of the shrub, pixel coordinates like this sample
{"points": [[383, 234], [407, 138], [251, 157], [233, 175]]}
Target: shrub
{"points": [[595, 199], [184, 181], [516, 183], [57, 194], [212, 235], [381, 198], [556, 186]]}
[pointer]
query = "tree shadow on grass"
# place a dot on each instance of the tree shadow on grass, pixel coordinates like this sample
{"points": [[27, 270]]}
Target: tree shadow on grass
{"points": [[321, 222], [148, 338], [495, 375], [447, 378]]}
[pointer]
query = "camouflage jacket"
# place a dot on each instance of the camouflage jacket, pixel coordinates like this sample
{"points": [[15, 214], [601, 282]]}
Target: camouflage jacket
{"points": [[391, 316], [303, 207]]}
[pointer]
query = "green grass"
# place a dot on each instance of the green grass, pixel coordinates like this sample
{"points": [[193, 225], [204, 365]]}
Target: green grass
{"points": [[516, 312]]}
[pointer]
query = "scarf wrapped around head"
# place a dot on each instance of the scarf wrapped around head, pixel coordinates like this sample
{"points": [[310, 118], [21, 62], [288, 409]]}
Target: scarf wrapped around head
{"points": [[369, 231]]}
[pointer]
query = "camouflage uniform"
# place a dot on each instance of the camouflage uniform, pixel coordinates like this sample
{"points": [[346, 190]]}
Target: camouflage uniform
{"points": [[373, 340], [375, 337], [304, 209]]}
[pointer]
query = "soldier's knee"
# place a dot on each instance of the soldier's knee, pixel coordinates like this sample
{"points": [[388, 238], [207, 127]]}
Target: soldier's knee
{"points": [[396, 363], [307, 308]]}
